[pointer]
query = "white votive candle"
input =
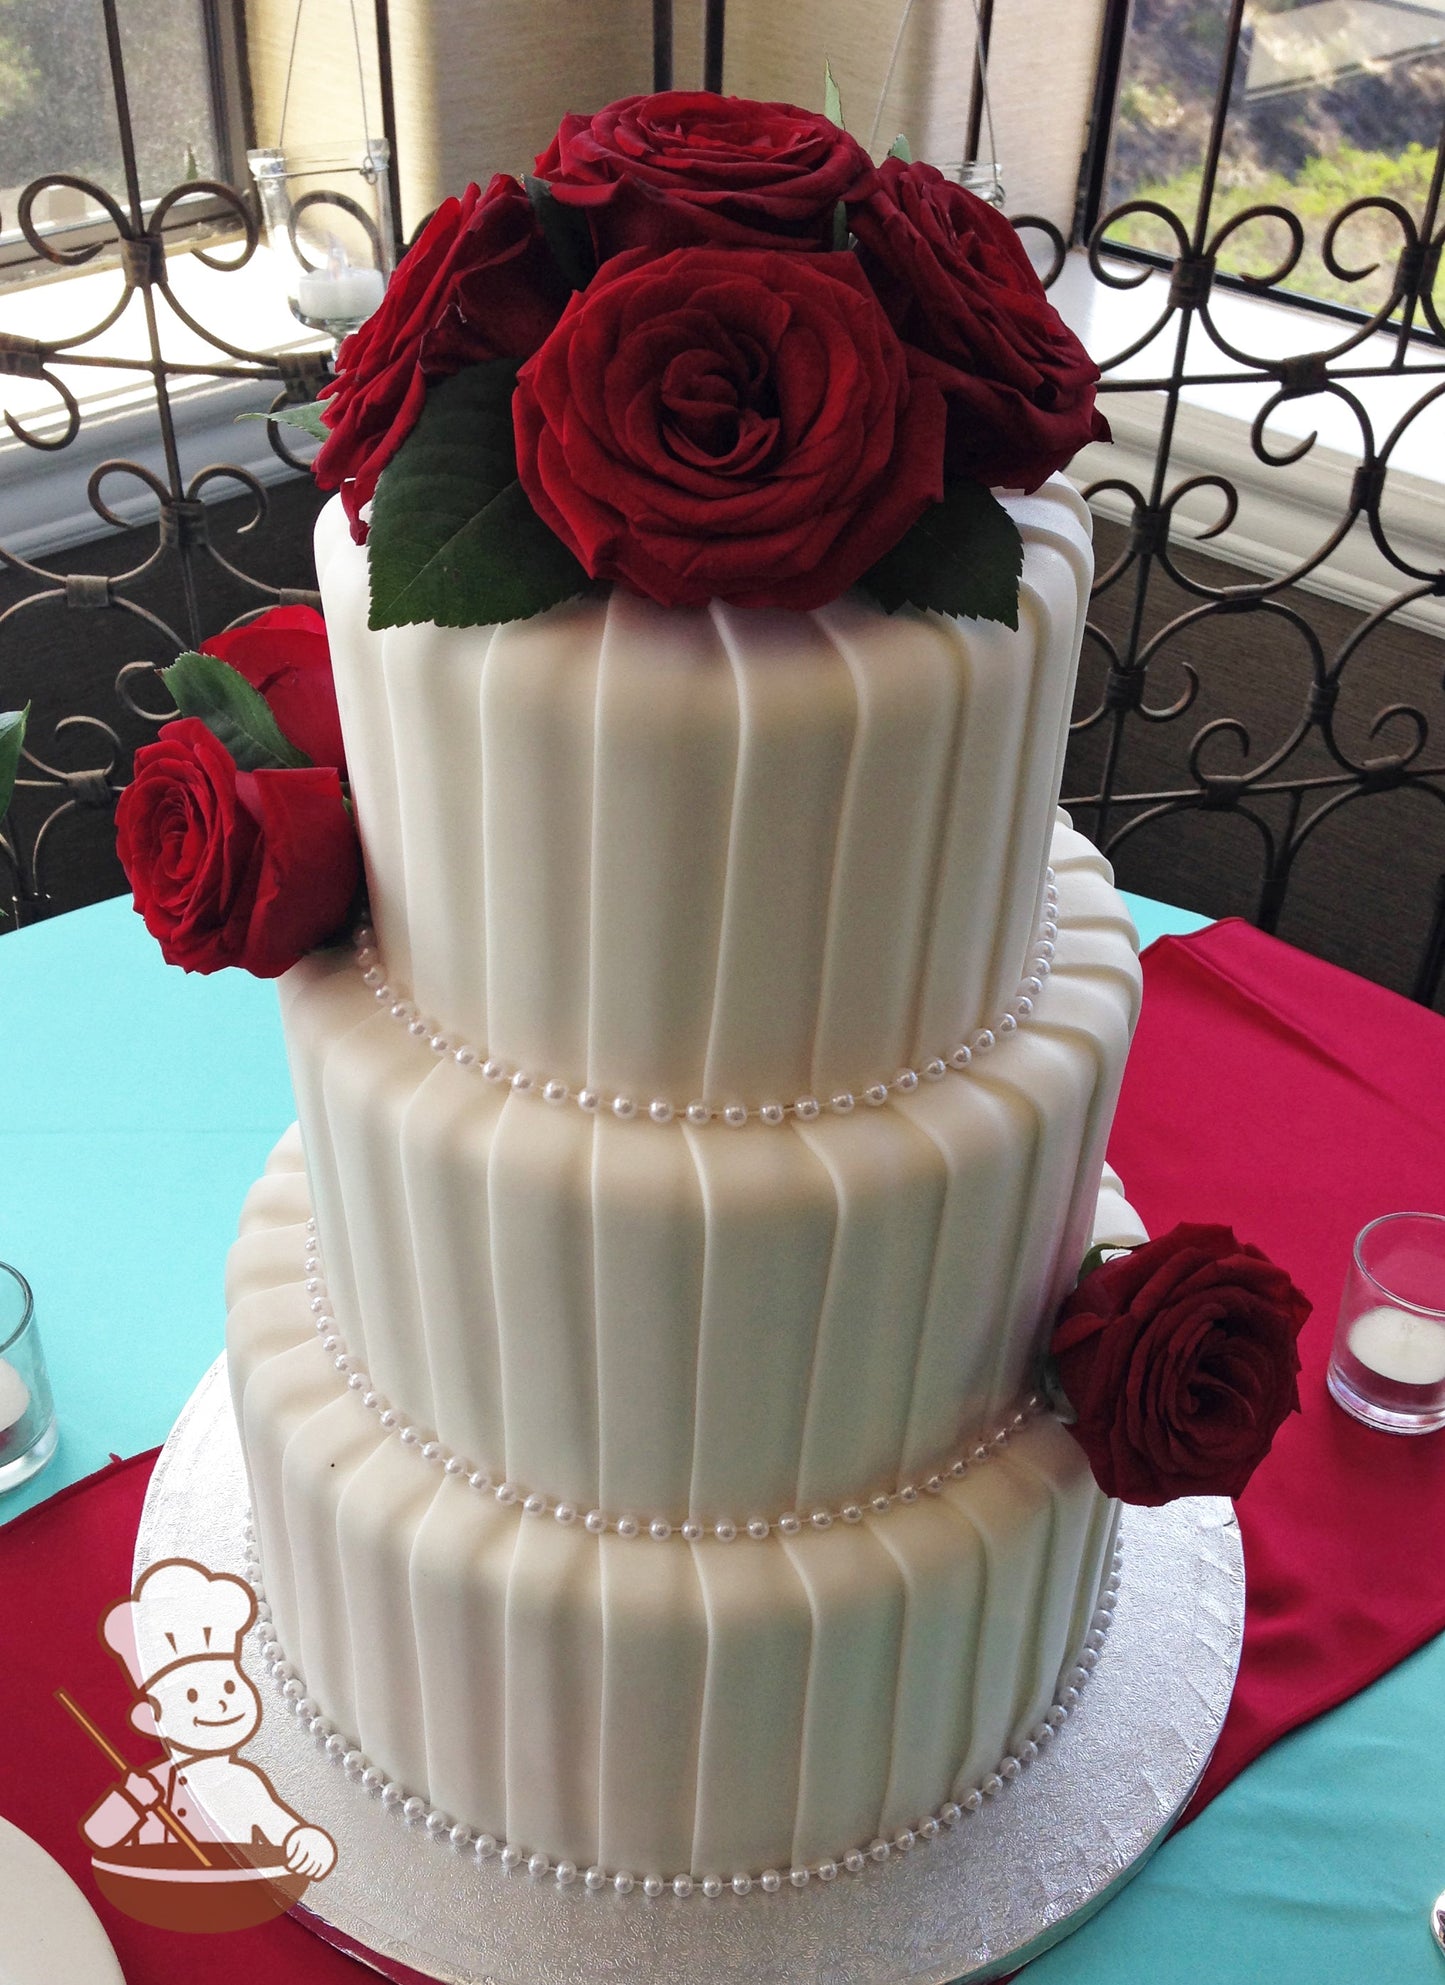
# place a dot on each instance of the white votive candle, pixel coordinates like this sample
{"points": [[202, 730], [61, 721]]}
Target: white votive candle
{"points": [[339, 296], [1410, 1350], [14, 1397]]}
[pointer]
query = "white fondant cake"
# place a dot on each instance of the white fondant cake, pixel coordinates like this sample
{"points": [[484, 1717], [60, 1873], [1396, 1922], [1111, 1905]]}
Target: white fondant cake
{"points": [[698, 1156]]}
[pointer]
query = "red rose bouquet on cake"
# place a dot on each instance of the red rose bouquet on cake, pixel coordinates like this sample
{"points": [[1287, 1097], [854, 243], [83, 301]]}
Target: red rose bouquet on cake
{"points": [[706, 350]]}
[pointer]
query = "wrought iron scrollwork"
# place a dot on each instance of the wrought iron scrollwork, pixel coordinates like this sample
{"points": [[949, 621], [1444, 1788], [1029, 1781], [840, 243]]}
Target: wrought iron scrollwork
{"points": [[135, 234], [1289, 789], [1285, 786]]}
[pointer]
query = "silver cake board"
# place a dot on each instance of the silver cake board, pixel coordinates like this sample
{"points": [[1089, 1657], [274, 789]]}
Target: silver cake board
{"points": [[1026, 1869]]}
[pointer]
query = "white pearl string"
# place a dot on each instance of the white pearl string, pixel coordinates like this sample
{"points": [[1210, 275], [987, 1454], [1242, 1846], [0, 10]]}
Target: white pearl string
{"points": [[414, 1810], [724, 1530], [660, 1110]]}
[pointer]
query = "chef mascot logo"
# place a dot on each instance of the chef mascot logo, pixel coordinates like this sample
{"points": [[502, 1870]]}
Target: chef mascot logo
{"points": [[198, 1840]]}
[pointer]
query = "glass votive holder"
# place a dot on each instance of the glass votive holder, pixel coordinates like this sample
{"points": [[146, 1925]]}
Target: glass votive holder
{"points": [[27, 1412], [983, 177], [1387, 1367], [329, 226]]}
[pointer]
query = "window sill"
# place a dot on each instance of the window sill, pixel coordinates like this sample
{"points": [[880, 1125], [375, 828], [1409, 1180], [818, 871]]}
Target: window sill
{"points": [[44, 501], [1286, 513]]}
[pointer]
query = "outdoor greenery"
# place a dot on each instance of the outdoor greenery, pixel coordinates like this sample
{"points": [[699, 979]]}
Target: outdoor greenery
{"points": [[1370, 134], [1315, 195]]}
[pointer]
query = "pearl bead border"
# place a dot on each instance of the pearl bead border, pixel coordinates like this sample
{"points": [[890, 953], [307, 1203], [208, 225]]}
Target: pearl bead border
{"points": [[660, 1110], [724, 1530], [510, 1858]]}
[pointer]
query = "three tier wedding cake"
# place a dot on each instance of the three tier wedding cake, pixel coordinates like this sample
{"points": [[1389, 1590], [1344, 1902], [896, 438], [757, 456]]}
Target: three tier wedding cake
{"points": [[638, 1347]]}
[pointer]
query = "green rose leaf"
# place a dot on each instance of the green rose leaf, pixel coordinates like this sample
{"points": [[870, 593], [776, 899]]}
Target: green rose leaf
{"points": [[1052, 1387], [12, 737], [566, 233], [840, 227], [206, 687], [453, 536], [832, 98], [1101, 1252], [307, 418], [963, 556], [901, 149]]}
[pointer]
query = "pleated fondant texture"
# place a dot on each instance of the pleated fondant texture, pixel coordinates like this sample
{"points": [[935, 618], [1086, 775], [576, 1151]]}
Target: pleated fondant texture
{"points": [[709, 1322], [674, 1707], [712, 855]]}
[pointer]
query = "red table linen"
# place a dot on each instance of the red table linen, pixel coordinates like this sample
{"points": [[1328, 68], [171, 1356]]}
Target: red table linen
{"points": [[1265, 1089], [1295, 1102]]}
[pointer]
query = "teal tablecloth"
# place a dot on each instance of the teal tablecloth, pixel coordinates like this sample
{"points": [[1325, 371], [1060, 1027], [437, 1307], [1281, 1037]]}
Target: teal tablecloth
{"points": [[136, 1107]]}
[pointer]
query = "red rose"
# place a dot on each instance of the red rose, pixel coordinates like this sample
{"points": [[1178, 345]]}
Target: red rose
{"points": [[728, 423], [1180, 1360], [479, 283], [230, 867], [283, 653], [687, 167], [954, 278]]}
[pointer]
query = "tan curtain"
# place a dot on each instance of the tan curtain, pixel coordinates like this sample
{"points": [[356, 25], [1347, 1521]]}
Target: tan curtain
{"points": [[480, 83]]}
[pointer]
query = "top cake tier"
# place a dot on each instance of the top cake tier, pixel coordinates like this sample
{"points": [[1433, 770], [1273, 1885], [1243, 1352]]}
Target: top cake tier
{"points": [[722, 855]]}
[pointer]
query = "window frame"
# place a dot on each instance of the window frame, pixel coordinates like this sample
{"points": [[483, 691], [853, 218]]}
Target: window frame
{"points": [[223, 31], [1090, 209]]}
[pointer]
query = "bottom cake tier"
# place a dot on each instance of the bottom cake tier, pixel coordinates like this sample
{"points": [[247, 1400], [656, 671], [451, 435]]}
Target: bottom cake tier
{"points": [[671, 1710]]}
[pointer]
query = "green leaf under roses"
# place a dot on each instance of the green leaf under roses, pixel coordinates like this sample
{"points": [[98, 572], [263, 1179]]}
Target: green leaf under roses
{"points": [[1101, 1252], [453, 536], [12, 737], [1052, 1387], [206, 687], [901, 149], [963, 556], [832, 98], [840, 227], [307, 418], [566, 233]]}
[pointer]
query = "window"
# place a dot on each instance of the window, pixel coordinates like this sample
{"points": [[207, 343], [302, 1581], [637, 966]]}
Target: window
{"points": [[1332, 102], [58, 113]]}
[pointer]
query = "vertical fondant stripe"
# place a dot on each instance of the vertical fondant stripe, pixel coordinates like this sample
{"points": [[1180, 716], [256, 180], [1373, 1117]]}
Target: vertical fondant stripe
{"points": [[667, 750], [855, 1599], [654, 1665], [322, 1454], [376, 1515], [888, 1183], [797, 718], [460, 1565], [540, 1224], [770, 1233], [650, 1247], [885, 863], [320, 1008]]}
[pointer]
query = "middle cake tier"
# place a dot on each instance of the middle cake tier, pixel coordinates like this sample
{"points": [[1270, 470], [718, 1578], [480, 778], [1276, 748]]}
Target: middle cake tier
{"points": [[673, 1323]]}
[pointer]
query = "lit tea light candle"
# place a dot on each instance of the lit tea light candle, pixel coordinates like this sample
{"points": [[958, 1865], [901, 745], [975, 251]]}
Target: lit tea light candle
{"points": [[339, 295], [1409, 1350], [14, 1398]]}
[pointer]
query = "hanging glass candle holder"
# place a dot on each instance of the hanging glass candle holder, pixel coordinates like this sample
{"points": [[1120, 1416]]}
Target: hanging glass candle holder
{"points": [[328, 222]]}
